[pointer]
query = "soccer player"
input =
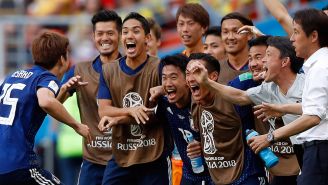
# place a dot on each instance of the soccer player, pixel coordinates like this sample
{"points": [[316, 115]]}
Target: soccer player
{"points": [[139, 152], [155, 42], [236, 46], [176, 106], [107, 26], [220, 128], [213, 44], [26, 98], [192, 22]]}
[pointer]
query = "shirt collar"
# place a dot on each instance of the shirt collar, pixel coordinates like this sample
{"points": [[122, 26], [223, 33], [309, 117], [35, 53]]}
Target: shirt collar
{"points": [[313, 58]]}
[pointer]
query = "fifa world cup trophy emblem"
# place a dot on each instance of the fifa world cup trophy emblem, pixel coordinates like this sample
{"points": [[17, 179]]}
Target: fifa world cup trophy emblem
{"points": [[207, 123]]}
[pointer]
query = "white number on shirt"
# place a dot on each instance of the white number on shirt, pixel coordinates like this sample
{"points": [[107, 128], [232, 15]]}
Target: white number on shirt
{"points": [[5, 99]]}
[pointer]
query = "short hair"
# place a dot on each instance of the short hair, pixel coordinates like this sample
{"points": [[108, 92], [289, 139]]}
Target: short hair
{"points": [[313, 20], [107, 16], [140, 18], [259, 41], [211, 63], [196, 12], [325, 8], [178, 60], [236, 15], [214, 30], [48, 48], [155, 27], [286, 49]]}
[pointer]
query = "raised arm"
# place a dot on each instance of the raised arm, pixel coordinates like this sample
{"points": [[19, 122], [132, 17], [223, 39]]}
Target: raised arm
{"points": [[228, 93], [278, 11]]}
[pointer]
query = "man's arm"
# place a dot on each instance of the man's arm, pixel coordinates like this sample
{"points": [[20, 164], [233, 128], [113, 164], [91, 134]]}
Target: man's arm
{"points": [[305, 122], [48, 102], [139, 113], [230, 94], [266, 111], [278, 11], [72, 84]]}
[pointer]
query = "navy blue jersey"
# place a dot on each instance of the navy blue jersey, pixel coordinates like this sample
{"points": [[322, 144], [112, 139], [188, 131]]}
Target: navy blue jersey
{"points": [[21, 116], [252, 164], [180, 125]]}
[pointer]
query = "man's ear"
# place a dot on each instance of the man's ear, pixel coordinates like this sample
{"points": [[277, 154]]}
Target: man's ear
{"points": [[147, 38], [214, 76], [314, 36], [285, 62]]}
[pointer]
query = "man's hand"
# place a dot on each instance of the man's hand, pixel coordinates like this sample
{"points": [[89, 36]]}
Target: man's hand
{"points": [[194, 149], [265, 111], [198, 71], [74, 83], [156, 92], [139, 113], [84, 131], [107, 122], [250, 29], [258, 143]]}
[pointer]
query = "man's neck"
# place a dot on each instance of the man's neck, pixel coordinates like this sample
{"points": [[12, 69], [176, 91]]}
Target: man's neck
{"points": [[239, 60], [285, 81], [184, 102], [133, 63], [198, 48], [109, 58], [311, 51]]}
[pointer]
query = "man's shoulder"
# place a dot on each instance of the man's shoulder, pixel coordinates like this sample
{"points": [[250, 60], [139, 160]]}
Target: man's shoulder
{"points": [[243, 81]]}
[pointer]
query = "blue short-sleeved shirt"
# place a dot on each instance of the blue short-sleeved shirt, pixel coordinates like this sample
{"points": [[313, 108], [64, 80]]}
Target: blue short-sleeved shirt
{"points": [[21, 116]]}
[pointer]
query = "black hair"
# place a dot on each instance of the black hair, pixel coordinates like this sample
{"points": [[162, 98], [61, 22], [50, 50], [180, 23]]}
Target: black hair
{"points": [[141, 19], [325, 8], [313, 20], [107, 16], [178, 60], [236, 15], [214, 30], [286, 49], [259, 41], [211, 63]]}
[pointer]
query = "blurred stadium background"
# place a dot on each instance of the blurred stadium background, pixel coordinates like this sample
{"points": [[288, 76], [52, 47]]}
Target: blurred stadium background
{"points": [[21, 20]]}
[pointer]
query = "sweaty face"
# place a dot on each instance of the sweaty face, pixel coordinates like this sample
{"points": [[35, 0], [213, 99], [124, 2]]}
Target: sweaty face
{"points": [[233, 42], [255, 56], [175, 86], [134, 39], [199, 93], [214, 46], [106, 37], [190, 32], [300, 41], [272, 64]]}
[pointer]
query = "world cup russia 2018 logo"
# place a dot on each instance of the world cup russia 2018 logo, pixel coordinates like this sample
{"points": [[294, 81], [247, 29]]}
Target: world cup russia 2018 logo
{"points": [[207, 123], [133, 99]]}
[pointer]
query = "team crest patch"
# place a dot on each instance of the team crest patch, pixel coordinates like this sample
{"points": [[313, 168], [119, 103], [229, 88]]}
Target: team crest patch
{"points": [[207, 123], [53, 85], [245, 76]]}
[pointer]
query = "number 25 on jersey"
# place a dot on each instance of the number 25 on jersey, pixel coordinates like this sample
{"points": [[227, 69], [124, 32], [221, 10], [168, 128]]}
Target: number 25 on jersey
{"points": [[6, 99]]}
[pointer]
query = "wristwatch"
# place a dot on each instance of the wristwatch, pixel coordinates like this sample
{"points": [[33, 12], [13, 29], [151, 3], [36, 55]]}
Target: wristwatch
{"points": [[270, 137]]}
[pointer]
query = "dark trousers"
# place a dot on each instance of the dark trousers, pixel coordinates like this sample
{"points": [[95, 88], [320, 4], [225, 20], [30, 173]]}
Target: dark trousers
{"points": [[315, 163], [152, 173]]}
